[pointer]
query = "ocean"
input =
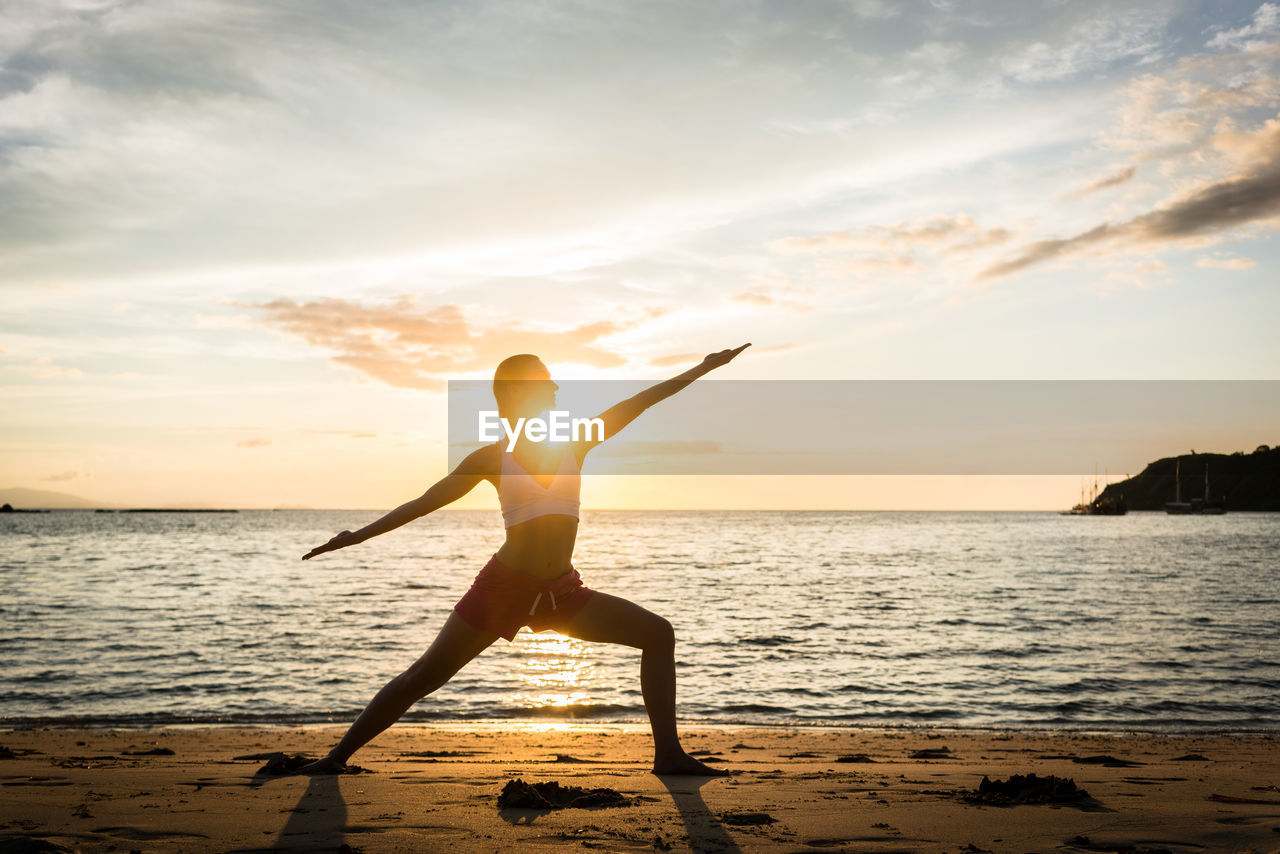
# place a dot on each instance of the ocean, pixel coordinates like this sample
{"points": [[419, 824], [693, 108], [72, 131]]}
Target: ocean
{"points": [[965, 619]]}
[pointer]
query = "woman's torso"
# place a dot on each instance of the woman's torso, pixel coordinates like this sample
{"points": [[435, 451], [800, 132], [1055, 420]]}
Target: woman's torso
{"points": [[541, 546]]}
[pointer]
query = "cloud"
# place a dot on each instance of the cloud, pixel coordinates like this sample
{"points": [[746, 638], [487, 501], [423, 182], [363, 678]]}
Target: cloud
{"points": [[891, 264], [1091, 45], [1139, 275], [874, 9], [45, 368], [940, 232], [408, 346], [1250, 195], [694, 358], [766, 301], [253, 443], [902, 248], [1115, 179], [1266, 22], [1178, 112], [1225, 263], [678, 359], [350, 434], [63, 476]]}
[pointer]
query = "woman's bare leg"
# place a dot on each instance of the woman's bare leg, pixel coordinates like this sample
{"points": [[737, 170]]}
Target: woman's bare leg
{"points": [[612, 619], [457, 643]]}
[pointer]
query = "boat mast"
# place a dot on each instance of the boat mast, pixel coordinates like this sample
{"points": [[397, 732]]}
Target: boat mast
{"points": [[1177, 483]]}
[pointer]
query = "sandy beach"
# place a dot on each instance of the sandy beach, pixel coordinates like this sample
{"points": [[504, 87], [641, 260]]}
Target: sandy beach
{"points": [[431, 788]]}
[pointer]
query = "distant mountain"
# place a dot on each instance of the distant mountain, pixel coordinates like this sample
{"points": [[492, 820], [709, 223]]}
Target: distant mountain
{"points": [[46, 499], [1249, 481]]}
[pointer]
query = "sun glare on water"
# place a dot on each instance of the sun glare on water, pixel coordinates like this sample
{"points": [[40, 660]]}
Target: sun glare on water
{"points": [[554, 671]]}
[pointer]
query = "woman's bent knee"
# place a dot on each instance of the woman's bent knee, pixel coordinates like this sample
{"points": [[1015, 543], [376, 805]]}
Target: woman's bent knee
{"points": [[662, 635]]}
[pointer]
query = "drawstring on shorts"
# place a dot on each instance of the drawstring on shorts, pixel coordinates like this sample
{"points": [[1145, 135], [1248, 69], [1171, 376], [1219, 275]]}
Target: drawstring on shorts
{"points": [[538, 599]]}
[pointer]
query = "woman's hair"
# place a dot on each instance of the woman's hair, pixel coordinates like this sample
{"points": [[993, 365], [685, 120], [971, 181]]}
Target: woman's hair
{"points": [[512, 369]]}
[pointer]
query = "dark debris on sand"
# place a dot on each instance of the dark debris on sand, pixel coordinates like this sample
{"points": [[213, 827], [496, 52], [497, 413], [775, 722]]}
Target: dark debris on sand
{"points": [[746, 819], [15, 752], [553, 796], [284, 765], [933, 753], [33, 845], [1112, 847], [1105, 761], [155, 751], [1028, 789], [855, 757]]}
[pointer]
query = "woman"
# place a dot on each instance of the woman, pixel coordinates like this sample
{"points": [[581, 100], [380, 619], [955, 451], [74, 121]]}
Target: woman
{"points": [[530, 580]]}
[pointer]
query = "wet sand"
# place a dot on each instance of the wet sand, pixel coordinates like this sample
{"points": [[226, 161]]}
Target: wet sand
{"points": [[431, 788]]}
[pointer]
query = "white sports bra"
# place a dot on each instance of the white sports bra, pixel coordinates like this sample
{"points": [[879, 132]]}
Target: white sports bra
{"points": [[523, 498]]}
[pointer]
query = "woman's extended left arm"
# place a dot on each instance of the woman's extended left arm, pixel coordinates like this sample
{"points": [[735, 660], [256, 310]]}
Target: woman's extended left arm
{"points": [[448, 489], [621, 414]]}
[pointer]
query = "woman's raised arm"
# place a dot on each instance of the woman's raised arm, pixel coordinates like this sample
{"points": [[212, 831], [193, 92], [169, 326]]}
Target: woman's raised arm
{"points": [[621, 414], [476, 467]]}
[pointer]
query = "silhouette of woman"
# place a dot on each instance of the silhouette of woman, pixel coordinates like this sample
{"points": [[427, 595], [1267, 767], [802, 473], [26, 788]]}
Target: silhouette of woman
{"points": [[530, 580]]}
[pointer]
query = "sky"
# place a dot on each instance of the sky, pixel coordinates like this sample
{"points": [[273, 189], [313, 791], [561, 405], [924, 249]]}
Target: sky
{"points": [[244, 247]]}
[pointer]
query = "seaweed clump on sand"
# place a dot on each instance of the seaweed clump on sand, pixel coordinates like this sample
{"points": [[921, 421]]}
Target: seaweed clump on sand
{"points": [[1028, 789], [553, 796]]}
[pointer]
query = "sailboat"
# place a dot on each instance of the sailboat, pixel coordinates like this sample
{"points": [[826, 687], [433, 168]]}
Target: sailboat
{"points": [[1205, 506], [1097, 505]]}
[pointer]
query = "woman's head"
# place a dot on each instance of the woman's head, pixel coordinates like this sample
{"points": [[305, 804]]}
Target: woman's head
{"points": [[522, 386]]}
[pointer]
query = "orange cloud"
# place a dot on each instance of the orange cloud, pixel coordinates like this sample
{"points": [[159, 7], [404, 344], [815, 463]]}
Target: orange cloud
{"points": [[883, 264], [691, 359], [408, 346], [678, 359], [757, 298], [1226, 263], [1181, 110], [1115, 179], [938, 233]]}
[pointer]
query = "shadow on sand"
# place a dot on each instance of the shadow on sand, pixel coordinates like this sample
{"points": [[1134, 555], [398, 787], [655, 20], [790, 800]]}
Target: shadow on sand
{"points": [[318, 822], [706, 832]]}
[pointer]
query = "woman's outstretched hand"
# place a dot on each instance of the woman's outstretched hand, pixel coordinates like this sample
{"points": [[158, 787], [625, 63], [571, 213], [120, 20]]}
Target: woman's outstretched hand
{"points": [[724, 357], [346, 538]]}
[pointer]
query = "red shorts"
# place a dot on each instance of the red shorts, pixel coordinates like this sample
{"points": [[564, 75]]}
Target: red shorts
{"points": [[502, 600]]}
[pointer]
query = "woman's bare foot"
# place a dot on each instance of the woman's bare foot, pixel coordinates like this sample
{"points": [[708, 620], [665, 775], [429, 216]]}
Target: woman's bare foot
{"points": [[683, 763], [327, 765]]}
